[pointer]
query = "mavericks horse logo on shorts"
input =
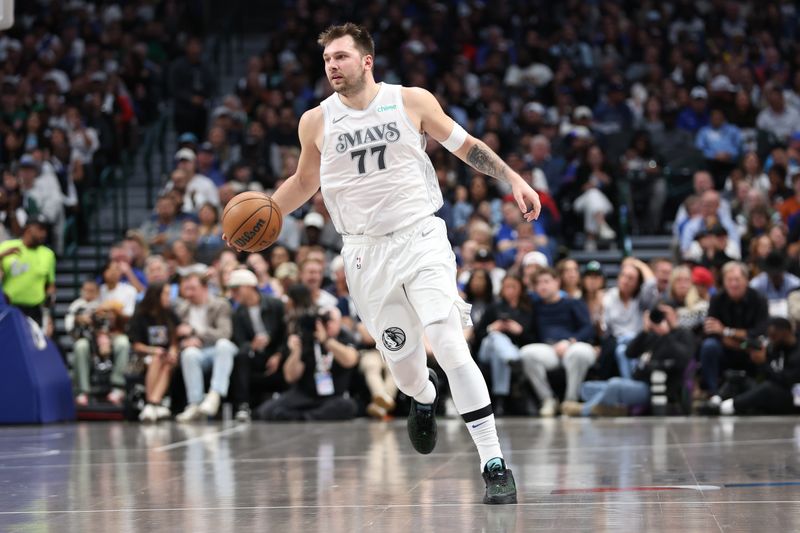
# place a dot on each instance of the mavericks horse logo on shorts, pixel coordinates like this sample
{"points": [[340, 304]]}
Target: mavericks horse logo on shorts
{"points": [[393, 339]]}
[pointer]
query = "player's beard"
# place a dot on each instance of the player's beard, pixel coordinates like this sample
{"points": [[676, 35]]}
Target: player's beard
{"points": [[349, 88]]}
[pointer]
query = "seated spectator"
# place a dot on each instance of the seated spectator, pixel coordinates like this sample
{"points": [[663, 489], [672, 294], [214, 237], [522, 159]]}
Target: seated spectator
{"points": [[736, 313], [207, 165], [623, 306], [777, 118], [775, 284], [156, 270], [682, 295], [311, 275], [129, 273], [540, 157], [259, 331], [673, 145], [669, 347], [702, 181], [319, 366], [648, 187], [506, 235], [204, 333], [113, 290], [153, 336], [181, 255], [266, 284], [506, 326], [41, 196], [565, 332], [662, 270], [711, 249], [209, 240], [614, 115], [104, 338], [695, 116], [193, 189], [485, 259], [595, 185], [163, 227], [711, 214], [721, 144], [530, 265], [479, 294], [79, 319], [778, 363], [592, 293], [287, 275]]}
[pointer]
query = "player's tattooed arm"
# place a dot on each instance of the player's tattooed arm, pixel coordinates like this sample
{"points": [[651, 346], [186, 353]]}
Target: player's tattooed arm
{"points": [[483, 159]]}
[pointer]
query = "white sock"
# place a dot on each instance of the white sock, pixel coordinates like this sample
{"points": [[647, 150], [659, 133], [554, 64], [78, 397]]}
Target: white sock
{"points": [[427, 395], [471, 397], [726, 407], [484, 434]]}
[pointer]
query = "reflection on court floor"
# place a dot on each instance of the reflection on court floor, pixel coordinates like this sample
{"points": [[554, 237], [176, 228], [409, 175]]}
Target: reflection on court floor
{"points": [[644, 474]]}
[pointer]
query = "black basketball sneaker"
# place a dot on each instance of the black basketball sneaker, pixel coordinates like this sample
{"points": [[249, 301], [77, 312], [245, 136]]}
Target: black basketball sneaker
{"points": [[422, 420], [500, 486]]}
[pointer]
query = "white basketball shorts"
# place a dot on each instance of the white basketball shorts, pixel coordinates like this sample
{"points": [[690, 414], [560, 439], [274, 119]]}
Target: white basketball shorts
{"points": [[402, 282]]}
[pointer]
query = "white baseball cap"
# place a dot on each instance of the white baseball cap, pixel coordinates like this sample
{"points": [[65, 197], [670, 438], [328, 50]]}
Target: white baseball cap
{"points": [[699, 93], [185, 153], [314, 220], [535, 258], [242, 278]]}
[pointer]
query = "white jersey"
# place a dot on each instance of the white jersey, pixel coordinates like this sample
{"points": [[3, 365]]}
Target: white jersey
{"points": [[375, 175]]}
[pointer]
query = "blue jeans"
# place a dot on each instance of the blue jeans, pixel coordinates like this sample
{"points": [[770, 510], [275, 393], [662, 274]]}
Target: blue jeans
{"points": [[498, 350], [196, 360], [615, 391], [624, 364]]}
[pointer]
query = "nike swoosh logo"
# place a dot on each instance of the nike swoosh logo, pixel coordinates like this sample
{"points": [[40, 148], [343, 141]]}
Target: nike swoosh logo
{"points": [[426, 233], [478, 425], [339, 119]]}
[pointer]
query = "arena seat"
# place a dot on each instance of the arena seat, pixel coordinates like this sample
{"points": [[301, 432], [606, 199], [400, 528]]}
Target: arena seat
{"points": [[34, 385]]}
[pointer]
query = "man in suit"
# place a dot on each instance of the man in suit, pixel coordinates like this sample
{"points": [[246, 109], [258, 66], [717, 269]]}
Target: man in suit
{"points": [[259, 331]]}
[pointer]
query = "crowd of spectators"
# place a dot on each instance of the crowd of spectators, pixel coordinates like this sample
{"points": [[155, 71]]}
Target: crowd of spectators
{"points": [[674, 117], [80, 82]]}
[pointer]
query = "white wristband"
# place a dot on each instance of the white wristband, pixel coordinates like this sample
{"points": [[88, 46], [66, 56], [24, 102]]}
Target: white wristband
{"points": [[456, 138]]}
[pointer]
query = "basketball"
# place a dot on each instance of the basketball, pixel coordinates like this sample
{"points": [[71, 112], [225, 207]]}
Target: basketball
{"points": [[252, 221]]}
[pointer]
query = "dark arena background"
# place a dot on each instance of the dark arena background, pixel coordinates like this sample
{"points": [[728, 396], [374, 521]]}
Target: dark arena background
{"points": [[653, 384]]}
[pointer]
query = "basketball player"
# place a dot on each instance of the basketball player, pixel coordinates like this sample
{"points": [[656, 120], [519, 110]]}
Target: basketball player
{"points": [[364, 146]]}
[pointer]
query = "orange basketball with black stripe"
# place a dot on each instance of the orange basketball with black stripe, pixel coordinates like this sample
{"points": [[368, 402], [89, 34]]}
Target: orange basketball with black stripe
{"points": [[252, 221]]}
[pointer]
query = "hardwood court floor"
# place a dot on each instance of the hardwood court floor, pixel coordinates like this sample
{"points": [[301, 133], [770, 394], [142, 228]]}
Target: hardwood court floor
{"points": [[631, 475]]}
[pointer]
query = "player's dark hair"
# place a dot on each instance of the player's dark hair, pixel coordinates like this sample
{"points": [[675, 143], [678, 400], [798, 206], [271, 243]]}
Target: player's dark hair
{"points": [[361, 37]]}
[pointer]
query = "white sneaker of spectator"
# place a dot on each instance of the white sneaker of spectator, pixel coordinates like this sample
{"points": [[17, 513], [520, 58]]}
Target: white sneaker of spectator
{"points": [[148, 414], [549, 408], [116, 396], [191, 413], [606, 233], [163, 412], [243, 413], [210, 404]]}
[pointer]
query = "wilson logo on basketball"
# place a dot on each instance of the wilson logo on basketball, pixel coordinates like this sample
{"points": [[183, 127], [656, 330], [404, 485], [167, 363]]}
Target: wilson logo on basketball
{"points": [[247, 236]]}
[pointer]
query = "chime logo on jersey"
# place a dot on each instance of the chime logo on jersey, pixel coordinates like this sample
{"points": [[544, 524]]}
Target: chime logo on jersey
{"points": [[393, 339], [388, 132]]}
